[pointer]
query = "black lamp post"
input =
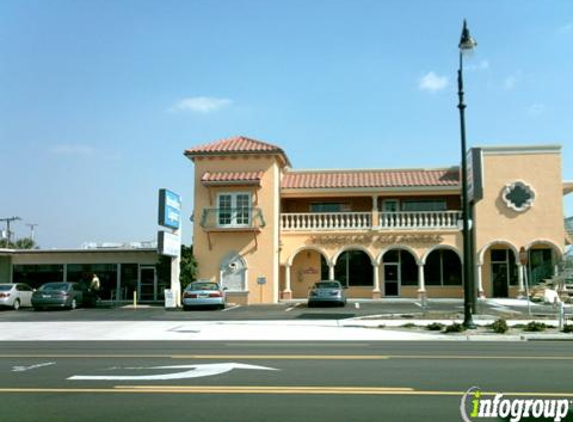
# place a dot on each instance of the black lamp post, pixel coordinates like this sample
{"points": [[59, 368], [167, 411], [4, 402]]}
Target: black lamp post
{"points": [[467, 44]]}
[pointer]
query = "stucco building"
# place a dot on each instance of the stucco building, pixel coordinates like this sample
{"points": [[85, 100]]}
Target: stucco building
{"points": [[267, 231]]}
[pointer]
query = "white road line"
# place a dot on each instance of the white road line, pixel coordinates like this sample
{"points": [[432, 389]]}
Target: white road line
{"points": [[232, 307], [292, 307], [28, 368]]}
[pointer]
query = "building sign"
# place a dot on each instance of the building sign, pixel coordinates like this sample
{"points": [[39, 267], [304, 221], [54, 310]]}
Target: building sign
{"points": [[376, 240], [169, 209], [475, 175], [168, 244]]}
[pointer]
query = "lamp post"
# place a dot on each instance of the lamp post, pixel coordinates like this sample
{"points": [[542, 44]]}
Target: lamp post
{"points": [[467, 44]]}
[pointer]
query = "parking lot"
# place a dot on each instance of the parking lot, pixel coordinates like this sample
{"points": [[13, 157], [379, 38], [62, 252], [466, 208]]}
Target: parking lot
{"points": [[383, 308]]}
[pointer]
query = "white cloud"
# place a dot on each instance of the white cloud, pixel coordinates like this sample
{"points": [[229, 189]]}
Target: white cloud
{"points": [[566, 29], [511, 81], [432, 82], [64, 149], [483, 65], [201, 104], [536, 109]]}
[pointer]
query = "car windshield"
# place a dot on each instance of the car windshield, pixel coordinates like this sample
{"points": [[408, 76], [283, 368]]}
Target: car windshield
{"points": [[203, 286], [327, 285], [5, 287], [55, 286]]}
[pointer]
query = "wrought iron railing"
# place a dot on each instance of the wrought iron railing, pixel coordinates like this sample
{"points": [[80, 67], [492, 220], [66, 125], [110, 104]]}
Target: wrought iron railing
{"points": [[232, 218]]}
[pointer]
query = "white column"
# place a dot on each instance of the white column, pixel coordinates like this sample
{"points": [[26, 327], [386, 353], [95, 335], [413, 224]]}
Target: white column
{"points": [[421, 279], [287, 279], [520, 273], [481, 293], [376, 278], [331, 271]]}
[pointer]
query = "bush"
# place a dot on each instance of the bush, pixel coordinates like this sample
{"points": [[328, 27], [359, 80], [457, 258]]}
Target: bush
{"points": [[568, 328], [435, 326], [454, 328], [500, 326], [408, 325], [535, 326]]}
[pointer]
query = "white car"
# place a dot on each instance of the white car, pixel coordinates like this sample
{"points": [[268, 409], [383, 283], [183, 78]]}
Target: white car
{"points": [[15, 295]]}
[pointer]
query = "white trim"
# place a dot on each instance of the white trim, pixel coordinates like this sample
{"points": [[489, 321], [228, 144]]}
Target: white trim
{"points": [[438, 247], [500, 242], [520, 149], [234, 206], [354, 247], [292, 256], [394, 247]]}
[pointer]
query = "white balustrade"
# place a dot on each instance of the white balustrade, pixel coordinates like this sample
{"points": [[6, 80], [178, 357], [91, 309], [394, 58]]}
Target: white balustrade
{"points": [[363, 220]]}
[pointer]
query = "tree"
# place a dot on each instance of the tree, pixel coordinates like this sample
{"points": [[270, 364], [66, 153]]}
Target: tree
{"points": [[187, 266], [24, 243]]}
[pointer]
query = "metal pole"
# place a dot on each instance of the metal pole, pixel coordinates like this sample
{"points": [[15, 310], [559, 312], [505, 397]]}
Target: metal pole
{"points": [[467, 263]]}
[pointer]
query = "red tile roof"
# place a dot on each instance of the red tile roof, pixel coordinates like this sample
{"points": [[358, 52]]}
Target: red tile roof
{"points": [[236, 145], [232, 177], [370, 179]]}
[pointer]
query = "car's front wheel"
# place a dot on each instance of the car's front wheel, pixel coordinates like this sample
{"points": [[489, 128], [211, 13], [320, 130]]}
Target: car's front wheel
{"points": [[73, 304], [16, 304]]}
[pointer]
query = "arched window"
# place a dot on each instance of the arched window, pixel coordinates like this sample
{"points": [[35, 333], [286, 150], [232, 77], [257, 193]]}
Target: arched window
{"points": [[354, 268], [443, 268]]}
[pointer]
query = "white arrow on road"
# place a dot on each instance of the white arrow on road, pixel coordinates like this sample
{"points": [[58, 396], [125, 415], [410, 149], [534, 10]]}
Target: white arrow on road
{"points": [[194, 371]]}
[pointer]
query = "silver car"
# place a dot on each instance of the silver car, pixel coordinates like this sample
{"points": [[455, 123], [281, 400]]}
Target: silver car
{"points": [[326, 292], [15, 295], [203, 293]]}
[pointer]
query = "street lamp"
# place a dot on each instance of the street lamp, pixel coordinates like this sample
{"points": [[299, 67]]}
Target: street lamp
{"points": [[466, 45]]}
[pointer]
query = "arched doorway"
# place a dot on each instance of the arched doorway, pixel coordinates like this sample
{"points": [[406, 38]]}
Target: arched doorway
{"points": [[307, 267], [399, 269]]}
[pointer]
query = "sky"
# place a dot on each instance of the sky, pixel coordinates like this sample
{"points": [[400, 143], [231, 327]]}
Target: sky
{"points": [[99, 99]]}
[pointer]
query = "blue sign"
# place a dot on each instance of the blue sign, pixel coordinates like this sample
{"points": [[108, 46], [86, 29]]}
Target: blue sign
{"points": [[169, 209]]}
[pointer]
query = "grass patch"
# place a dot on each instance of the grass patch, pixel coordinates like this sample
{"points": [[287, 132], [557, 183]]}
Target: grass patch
{"points": [[455, 328]]}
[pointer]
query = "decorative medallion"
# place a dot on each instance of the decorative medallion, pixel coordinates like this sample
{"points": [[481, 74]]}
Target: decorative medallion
{"points": [[518, 196]]}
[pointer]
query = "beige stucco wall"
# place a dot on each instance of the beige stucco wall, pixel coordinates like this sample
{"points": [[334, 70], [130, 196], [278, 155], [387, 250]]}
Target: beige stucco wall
{"points": [[260, 255], [494, 221]]}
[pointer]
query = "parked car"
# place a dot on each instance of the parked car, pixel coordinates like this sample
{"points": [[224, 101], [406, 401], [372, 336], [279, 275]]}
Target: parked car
{"points": [[203, 293], [63, 295], [15, 295], [326, 292]]}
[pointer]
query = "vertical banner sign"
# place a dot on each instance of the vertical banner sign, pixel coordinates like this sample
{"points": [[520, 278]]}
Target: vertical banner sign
{"points": [[169, 209], [475, 175], [169, 243]]}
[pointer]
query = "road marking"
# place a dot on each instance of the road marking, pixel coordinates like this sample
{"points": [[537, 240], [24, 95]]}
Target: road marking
{"points": [[357, 305], [293, 357], [232, 307], [301, 390], [193, 371], [29, 368], [292, 307]]}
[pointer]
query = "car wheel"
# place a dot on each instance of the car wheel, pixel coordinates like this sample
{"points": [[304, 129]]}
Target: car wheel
{"points": [[16, 304], [222, 306], [310, 305], [73, 304], [185, 308]]}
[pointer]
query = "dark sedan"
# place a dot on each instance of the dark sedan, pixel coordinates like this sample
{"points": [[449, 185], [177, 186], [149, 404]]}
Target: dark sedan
{"points": [[326, 292], [63, 295]]}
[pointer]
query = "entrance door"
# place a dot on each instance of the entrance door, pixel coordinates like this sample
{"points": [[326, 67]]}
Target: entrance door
{"points": [[500, 280], [147, 284], [391, 280]]}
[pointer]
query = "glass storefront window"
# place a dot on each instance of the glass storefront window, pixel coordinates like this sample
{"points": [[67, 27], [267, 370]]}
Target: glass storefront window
{"points": [[107, 274], [36, 275]]}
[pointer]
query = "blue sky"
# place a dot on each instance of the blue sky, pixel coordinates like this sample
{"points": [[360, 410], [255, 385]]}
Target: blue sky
{"points": [[100, 98]]}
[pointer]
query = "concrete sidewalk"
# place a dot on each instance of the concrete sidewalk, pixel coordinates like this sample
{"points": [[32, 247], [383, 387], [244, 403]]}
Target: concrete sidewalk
{"points": [[315, 330]]}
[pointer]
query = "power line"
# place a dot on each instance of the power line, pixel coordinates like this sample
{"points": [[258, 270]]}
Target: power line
{"points": [[8, 220]]}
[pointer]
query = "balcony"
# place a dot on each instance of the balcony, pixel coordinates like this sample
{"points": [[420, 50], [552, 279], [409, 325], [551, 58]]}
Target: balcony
{"points": [[232, 219], [340, 221]]}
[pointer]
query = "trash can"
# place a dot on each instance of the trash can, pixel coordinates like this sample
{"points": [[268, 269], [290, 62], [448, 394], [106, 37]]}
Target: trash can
{"points": [[170, 299]]}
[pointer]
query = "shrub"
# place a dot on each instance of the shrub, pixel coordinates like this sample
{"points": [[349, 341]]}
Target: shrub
{"points": [[568, 328], [535, 326], [408, 325], [435, 326], [500, 326], [454, 328]]}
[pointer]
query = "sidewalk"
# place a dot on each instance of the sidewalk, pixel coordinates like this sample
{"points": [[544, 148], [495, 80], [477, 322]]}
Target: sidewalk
{"points": [[354, 329]]}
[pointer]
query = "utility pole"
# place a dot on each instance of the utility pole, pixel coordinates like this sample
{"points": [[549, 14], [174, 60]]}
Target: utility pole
{"points": [[8, 220], [32, 229]]}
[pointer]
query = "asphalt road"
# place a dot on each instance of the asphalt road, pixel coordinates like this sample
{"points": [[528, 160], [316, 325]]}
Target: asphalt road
{"points": [[396, 308], [268, 381]]}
